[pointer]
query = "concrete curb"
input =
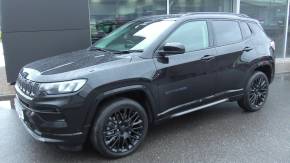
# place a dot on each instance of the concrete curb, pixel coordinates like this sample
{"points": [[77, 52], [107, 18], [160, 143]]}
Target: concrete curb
{"points": [[7, 97]]}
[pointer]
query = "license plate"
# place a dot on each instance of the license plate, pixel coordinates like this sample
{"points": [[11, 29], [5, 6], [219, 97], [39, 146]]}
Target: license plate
{"points": [[18, 109]]}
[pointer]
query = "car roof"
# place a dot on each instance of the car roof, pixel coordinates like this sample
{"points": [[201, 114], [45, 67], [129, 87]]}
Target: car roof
{"points": [[199, 15]]}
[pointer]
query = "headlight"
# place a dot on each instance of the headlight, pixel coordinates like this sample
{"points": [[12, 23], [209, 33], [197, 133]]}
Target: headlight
{"points": [[61, 87]]}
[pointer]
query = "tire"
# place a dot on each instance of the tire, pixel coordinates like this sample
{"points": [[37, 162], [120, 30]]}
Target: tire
{"points": [[256, 92], [119, 128]]}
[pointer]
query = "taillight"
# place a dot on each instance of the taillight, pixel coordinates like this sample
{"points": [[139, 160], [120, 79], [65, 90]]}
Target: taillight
{"points": [[273, 45]]}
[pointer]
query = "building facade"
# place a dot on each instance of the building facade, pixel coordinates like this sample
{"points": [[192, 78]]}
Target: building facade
{"points": [[42, 28], [105, 15]]}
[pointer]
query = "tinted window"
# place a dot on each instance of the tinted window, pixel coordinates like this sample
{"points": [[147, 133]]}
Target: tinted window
{"points": [[245, 30], [226, 32], [257, 30], [193, 35]]}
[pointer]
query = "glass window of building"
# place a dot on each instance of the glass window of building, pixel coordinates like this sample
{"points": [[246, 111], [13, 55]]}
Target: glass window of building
{"points": [[288, 38], [226, 32], [183, 6], [272, 16], [107, 15], [193, 35]]}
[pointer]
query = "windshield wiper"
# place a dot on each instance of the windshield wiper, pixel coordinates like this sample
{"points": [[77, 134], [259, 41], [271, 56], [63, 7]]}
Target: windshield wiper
{"points": [[128, 51], [99, 49]]}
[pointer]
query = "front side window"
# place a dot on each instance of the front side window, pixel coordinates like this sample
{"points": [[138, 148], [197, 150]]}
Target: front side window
{"points": [[226, 32], [193, 35], [136, 35]]}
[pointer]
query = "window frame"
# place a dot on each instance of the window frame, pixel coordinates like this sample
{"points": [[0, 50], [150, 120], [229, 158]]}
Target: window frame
{"points": [[247, 23], [209, 30], [214, 34], [254, 33]]}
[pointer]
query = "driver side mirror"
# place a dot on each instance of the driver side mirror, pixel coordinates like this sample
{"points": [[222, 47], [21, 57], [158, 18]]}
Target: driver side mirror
{"points": [[172, 49]]}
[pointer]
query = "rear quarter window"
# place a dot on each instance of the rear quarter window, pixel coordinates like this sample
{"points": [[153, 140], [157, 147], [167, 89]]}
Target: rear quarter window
{"points": [[226, 32], [258, 31], [245, 30]]}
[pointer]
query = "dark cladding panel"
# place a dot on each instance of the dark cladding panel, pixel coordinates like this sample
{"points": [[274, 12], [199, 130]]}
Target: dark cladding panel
{"points": [[35, 15], [36, 29], [25, 47]]}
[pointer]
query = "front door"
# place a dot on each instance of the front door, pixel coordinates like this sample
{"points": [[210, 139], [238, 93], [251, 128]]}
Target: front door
{"points": [[188, 77]]}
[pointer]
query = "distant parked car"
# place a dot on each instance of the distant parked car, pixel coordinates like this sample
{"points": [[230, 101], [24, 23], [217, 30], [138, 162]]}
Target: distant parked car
{"points": [[148, 70]]}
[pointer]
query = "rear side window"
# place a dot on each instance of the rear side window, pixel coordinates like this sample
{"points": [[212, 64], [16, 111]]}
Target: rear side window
{"points": [[193, 35], [258, 30], [226, 32], [245, 30]]}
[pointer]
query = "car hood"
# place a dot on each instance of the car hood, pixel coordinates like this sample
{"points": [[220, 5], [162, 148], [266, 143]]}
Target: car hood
{"points": [[69, 62]]}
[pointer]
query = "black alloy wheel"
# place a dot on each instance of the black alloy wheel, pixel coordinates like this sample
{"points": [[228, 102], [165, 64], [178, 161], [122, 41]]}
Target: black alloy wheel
{"points": [[123, 130], [256, 92], [119, 128]]}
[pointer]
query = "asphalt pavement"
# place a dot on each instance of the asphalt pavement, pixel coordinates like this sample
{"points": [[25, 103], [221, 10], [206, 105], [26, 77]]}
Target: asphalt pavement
{"points": [[222, 133]]}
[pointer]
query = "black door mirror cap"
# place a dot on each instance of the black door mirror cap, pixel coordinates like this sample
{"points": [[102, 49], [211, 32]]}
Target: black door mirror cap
{"points": [[172, 49]]}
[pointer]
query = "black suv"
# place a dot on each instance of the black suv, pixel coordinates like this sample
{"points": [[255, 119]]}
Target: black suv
{"points": [[148, 70]]}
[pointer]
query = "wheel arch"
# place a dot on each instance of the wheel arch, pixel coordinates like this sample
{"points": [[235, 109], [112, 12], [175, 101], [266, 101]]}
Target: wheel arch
{"points": [[137, 92], [267, 69]]}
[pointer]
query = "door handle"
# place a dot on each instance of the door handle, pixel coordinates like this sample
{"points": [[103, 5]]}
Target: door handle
{"points": [[207, 57], [247, 49]]}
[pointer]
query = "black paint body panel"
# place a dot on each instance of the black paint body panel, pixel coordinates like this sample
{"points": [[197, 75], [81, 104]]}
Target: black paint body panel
{"points": [[171, 85]]}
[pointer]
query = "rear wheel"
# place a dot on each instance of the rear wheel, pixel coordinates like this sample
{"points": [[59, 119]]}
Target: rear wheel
{"points": [[119, 128], [256, 92]]}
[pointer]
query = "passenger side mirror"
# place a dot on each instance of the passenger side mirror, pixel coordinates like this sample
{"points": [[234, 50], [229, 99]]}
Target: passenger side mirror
{"points": [[172, 49]]}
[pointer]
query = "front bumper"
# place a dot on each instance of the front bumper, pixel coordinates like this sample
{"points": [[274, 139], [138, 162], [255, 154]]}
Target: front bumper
{"points": [[53, 121]]}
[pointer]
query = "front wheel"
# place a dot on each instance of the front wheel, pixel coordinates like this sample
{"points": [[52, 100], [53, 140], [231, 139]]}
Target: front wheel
{"points": [[256, 92], [119, 128]]}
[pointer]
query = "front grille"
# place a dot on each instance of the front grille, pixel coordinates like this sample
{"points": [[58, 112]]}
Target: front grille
{"points": [[28, 87]]}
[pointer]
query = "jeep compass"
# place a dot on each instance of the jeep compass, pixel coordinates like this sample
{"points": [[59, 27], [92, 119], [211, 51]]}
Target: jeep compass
{"points": [[148, 70]]}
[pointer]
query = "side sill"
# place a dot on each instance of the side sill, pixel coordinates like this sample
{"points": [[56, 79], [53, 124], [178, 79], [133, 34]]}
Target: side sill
{"points": [[200, 100], [199, 108]]}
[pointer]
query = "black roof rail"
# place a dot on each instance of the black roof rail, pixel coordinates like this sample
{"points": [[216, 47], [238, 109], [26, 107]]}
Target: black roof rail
{"points": [[159, 16], [225, 13], [189, 14]]}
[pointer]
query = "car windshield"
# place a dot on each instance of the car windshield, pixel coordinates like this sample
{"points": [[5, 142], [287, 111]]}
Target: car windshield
{"points": [[133, 36]]}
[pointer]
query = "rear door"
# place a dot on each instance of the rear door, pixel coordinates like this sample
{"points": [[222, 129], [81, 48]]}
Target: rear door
{"points": [[230, 46]]}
